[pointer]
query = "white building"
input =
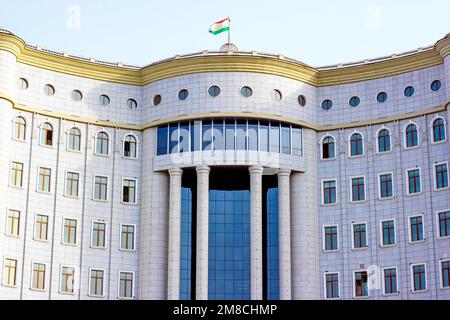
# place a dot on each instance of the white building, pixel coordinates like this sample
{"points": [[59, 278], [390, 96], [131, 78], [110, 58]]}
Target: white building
{"points": [[224, 175]]}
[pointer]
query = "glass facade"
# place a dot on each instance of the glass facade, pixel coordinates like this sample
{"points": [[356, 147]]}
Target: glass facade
{"points": [[229, 134], [186, 244], [273, 262]]}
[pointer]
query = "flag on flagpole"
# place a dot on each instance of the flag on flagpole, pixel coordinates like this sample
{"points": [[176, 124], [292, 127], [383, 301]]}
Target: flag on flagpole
{"points": [[220, 26]]}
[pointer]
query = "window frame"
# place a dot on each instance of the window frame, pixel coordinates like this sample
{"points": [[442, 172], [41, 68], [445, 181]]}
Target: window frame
{"points": [[123, 146], [378, 142], [101, 98], [437, 117], [405, 136], [423, 229], [186, 97], [60, 291], [4, 270], [438, 225], [353, 236], [441, 278], [363, 141], [153, 100], [252, 92], [133, 290], [324, 247], [64, 218], [25, 129], [131, 104], [380, 189], [382, 245], [90, 294], [412, 265], [78, 93], [211, 87], [39, 167], [23, 175], [105, 247], [107, 188], [351, 189], [134, 237], [35, 225], [325, 285], [33, 262], [41, 143], [135, 190], [322, 144], [65, 184], [322, 182], [69, 135], [383, 284], [408, 193], [102, 130], [354, 284], [435, 187], [19, 224]]}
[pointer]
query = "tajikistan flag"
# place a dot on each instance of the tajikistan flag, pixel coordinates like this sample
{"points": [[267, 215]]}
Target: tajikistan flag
{"points": [[220, 26]]}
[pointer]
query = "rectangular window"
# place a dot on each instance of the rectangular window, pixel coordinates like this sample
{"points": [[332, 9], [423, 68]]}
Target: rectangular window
{"points": [[162, 141], [330, 235], [101, 188], [445, 270], [44, 180], [416, 228], [72, 183], [329, 192], [127, 237], [218, 135], [173, 138], [419, 277], [70, 231], [207, 135], [184, 137], [98, 235], [67, 280], [332, 285], [286, 139], [129, 191], [41, 228], [10, 272], [390, 281], [264, 136], [96, 282], [358, 189], [252, 135], [126, 285], [38, 278], [13, 223], [388, 232], [414, 185], [361, 288], [230, 129], [274, 137], [16, 178], [441, 171], [386, 190], [241, 135], [296, 141], [360, 236], [444, 224]]}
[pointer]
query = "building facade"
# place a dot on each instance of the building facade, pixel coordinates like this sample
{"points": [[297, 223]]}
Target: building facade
{"points": [[224, 175]]}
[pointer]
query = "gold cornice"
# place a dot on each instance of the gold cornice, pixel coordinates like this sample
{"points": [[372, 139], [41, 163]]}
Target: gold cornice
{"points": [[223, 63]]}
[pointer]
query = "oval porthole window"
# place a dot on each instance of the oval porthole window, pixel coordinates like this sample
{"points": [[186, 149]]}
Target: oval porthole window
{"points": [[77, 95], [183, 95], [157, 100], [382, 97], [302, 100], [49, 90], [276, 95], [131, 104], [246, 92], [214, 91], [354, 101], [23, 84], [409, 91], [327, 104], [104, 100], [436, 85]]}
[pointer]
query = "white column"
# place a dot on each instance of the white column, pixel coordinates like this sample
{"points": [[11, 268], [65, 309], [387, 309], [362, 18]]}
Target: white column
{"points": [[256, 262], [284, 233], [202, 232], [173, 274]]}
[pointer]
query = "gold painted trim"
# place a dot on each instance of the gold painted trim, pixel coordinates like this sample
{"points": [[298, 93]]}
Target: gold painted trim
{"points": [[223, 63]]}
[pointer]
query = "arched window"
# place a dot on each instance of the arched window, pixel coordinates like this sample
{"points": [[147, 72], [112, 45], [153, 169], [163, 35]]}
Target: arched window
{"points": [[412, 136], [130, 147], [439, 130], [47, 134], [328, 148], [74, 140], [19, 128], [356, 145], [102, 147], [384, 141]]}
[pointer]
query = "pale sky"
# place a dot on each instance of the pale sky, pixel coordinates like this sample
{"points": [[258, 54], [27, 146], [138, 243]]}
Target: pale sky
{"points": [[319, 32]]}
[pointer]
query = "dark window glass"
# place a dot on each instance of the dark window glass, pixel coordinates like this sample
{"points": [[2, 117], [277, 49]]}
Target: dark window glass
{"points": [[162, 141], [329, 192], [354, 101], [252, 135], [327, 105], [416, 225], [384, 141], [436, 85], [386, 186], [302, 100], [130, 147], [358, 192], [332, 286], [214, 91], [419, 278], [296, 141], [183, 95], [328, 148], [230, 130], [264, 136], [286, 139], [331, 238], [186, 245], [274, 137], [173, 138], [390, 281], [444, 224], [356, 145], [382, 97], [361, 288], [246, 92], [412, 136], [360, 236], [157, 100], [207, 135], [184, 137], [388, 232], [409, 91], [218, 136], [414, 181], [441, 176], [445, 266], [241, 135], [196, 136], [439, 130], [273, 262]]}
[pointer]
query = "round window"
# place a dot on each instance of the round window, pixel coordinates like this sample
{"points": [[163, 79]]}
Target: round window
{"points": [[354, 101], [382, 97], [276, 95], [157, 100], [183, 95], [302, 100], [77, 95], [214, 91], [49, 90], [131, 104], [246, 92], [436, 85], [409, 91], [327, 105], [104, 100], [23, 84]]}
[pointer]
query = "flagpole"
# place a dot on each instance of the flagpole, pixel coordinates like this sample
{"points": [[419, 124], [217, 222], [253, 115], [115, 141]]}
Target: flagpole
{"points": [[229, 32]]}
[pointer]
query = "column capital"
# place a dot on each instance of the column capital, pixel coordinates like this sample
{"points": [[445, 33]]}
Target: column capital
{"points": [[256, 170], [284, 172], [175, 172], [203, 170]]}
